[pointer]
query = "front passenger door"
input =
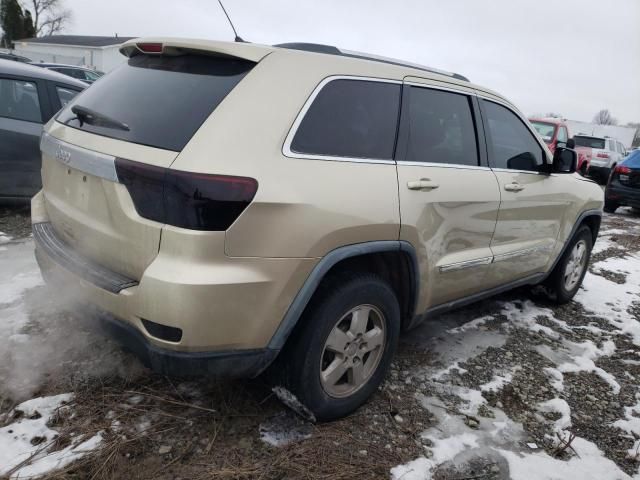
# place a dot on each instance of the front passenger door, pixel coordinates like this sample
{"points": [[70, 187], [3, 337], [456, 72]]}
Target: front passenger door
{"points": [[533, 202]]}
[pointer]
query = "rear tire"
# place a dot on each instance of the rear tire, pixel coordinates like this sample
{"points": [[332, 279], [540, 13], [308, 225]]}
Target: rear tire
{"points": [[566, 278], [331, 363]]}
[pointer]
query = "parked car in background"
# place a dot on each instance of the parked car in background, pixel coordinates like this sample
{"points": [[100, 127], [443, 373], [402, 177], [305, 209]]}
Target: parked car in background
{"points": [[602, 153], [552, 130], [29, 97], [83, 74], [555, 132], [623, 188], [165, 205], [13, 57]]}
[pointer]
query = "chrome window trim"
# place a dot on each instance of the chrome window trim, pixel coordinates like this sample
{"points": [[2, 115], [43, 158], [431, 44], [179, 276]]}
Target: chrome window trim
{"points": [[78, 158], [477, 262], [286, 147], [469, 93], [412, 163]]}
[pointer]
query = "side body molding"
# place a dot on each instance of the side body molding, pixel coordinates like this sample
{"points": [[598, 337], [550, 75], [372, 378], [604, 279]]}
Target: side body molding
{"points": [[325, 264]]}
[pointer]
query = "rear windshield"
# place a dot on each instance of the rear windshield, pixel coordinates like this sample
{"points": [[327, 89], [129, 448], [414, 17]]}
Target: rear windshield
{"points": [[162, 100], [592, 142], [545, 130], [632, 160]]}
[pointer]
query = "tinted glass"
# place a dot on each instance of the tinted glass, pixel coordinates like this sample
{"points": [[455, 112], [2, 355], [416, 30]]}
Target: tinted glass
{"points": [[92, 76], [545, 130], [562, 134], [592, 142], [19, 100], [351, 118], [511, 144], [163, 100], [441, 128], [632, 160], [65, 95]]}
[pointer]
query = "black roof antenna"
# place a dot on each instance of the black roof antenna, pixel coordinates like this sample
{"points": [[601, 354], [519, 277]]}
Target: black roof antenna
{"points": [[238, 38]]}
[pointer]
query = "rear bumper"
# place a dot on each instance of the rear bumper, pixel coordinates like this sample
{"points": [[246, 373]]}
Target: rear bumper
{"points": [[228, 364], [221, 312], [625, 196], [596, 170]]}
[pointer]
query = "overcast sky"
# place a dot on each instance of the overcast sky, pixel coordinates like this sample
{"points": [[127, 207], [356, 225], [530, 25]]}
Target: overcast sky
{"points": [[573, 57]]}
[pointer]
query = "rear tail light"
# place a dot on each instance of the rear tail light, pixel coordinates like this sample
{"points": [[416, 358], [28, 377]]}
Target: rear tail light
{"points": [[602, 155], [150, 47], [623, 169], [184, 199]]}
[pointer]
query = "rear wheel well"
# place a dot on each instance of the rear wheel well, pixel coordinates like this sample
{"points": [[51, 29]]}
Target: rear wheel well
{"points": [[593, 222], [394, 267]]}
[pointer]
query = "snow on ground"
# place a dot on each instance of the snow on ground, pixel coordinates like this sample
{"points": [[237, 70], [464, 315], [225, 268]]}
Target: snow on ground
{"points": [[27, 442], [461, 433], [283, 429]]}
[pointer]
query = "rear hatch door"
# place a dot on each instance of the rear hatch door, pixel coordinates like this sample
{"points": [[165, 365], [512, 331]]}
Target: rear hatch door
{"points": [[146, 112]]}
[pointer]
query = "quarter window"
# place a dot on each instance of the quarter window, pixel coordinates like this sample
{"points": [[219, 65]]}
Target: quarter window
{"points": [[19, 100], [65, 95], [351, 118], [511, 144], [440, 128]]}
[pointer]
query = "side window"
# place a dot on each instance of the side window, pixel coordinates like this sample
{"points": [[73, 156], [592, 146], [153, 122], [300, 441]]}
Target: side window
{"points": [[611, 145], [19, 100], [562, 134], [65, 95], [440, 128], [511, 144], [351, 118]]}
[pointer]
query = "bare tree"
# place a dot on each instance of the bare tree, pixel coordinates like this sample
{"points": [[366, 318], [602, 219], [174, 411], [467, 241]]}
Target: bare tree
{"points": [[553, 115], [49, 16], [604, 117]]}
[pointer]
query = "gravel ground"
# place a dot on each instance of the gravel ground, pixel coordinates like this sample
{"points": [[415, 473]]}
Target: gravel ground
{"points": [[476, 393]]}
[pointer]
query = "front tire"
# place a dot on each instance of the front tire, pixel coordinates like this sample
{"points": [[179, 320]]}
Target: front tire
{"points": [[348, 336], [566, 278]]}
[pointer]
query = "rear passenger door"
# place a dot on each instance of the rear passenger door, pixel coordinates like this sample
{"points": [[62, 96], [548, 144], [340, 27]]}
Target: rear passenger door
{"points": [[449, 198], [23, 107], [533, 202]]}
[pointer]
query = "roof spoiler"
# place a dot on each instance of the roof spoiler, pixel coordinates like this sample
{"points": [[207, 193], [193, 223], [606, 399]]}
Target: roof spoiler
{"points": [[175, 47]]}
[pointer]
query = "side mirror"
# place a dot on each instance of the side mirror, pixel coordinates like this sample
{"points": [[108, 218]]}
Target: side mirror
{"points": [[565, 160], [571, 143]]}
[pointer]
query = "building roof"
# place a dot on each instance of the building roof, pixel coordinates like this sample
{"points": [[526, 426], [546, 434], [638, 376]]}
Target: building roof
{"points": [[9, 67], [78, 40]]}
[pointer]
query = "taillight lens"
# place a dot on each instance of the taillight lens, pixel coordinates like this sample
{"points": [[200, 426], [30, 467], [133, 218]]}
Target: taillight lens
{"points": [[185, 199], [602, 155], [623, 169]]}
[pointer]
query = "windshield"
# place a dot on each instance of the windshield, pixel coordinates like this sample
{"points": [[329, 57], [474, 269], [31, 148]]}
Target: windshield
{"points": [[545, 130], [161, 100], [593, 142]]}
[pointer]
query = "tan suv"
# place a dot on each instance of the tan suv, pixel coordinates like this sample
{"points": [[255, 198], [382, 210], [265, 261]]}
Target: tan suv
{"points": [[224, 204]]}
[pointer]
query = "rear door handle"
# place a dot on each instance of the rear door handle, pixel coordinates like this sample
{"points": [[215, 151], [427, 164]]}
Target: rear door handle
{"points": [[513, 187], [422, 184]]}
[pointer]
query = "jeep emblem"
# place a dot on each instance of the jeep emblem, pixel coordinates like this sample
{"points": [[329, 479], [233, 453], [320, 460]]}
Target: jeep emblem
{"points": [[63, 155]]}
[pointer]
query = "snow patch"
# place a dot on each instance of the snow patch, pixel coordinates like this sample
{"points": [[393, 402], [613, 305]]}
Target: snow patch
{"points": [[283, 429]]}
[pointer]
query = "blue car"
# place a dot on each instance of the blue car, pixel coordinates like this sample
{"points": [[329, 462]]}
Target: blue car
{"points": [[623, 188]]}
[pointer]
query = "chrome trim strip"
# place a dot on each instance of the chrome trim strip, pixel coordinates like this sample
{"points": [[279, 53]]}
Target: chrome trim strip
{"points": [[521, 253], [286, 147], [469, 93], [78, 158], [509, 170], [411, 163], [452, 267]]}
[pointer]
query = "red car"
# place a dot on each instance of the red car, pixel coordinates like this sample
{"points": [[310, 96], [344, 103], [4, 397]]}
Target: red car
{"points": [[554, 131]]}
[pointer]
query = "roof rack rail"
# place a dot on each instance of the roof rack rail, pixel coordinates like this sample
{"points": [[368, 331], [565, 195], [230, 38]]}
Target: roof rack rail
{"points": [[331, 50]]}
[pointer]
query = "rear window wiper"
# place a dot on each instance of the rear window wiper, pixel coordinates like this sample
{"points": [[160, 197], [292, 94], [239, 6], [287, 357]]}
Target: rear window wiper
{"points": [[92, 117]]}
